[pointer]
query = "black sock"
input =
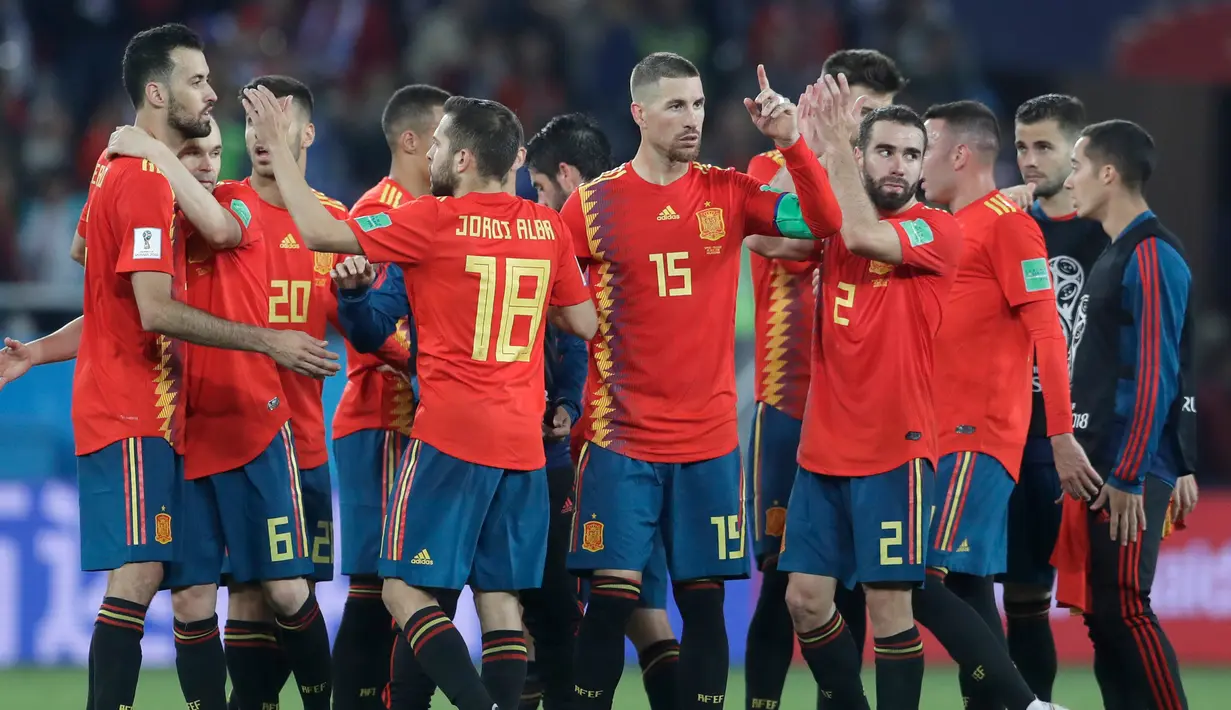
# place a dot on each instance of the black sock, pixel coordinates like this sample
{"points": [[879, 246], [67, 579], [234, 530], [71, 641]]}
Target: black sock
{"points": [[532, 692], [853, 607], [362, 648], [306, 642], [89, 698], [442, 653], [599, 659], [705, 657], [771, 644], [834, 662], [659, 673], [969, 641], [980, 594], [117, 652], [408, 682], [899, 670], [1032, 645], [254, 661], [201, 664], [504, 666]]}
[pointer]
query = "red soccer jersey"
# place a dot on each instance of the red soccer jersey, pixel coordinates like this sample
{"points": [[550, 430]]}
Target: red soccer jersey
{"points": [[984, 353], [127, 381], [664, 266], [374, 399], [480, 271], [870, 406], [785, 308], [300, 298], [235, 404]]}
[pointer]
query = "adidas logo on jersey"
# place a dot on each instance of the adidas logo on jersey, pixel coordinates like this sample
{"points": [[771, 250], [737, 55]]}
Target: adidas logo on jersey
{"points": [[422, 558], [288, 242], [964, 547], [668, 213]]}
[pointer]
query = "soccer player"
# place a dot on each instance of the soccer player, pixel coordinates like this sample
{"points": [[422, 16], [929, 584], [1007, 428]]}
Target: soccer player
{"points": [[482, 267], [127, 423], [1132, 365], [567, 152], [785, 310], [661, 457], [1045, 127], [1002, 307], [371, 427], [300, 297]]}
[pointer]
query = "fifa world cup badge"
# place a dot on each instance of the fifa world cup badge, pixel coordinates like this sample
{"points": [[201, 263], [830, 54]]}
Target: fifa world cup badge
{"points": [[592, 536], [162, 528]]}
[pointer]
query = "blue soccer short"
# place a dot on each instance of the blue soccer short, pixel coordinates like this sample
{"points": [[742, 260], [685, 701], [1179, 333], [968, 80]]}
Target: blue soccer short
{"points": [[1034, 518], [453, 523], [697, 508], [368, 462], [972, 505], [129, 498], [253, 517], [860, 529], [771, 462], [318, 514], [654, 580]]}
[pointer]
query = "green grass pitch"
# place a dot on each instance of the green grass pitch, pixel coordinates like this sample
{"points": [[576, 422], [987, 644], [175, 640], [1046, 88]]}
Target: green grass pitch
{"points": [[64, 689]]}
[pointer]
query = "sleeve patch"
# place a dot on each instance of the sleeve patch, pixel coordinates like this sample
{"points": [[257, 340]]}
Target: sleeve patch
{"points": [[918, 232], [147, 243], [241, 211], [1035, 275], [376, 221]]}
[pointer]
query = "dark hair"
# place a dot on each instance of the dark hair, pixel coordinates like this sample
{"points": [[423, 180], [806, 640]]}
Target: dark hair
{"points": [[901, 115], [867, 67], [410, 107], [1068, 112], [148, 57], [574, 139], [971, 118], [658, 66], [1125, 146], [283, 86], [487, 129]]}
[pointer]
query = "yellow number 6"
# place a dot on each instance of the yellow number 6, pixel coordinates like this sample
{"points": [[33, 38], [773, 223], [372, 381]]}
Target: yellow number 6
{"points": [[280, 546], [892, 540]]}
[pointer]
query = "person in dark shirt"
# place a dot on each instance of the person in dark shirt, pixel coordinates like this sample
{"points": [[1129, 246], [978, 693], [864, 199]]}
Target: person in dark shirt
{"points": [[1131, 374], [1046, 127]]}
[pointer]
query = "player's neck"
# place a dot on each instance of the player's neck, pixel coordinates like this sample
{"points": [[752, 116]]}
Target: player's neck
{"points": [[408, 178], [656, 168], [1058, 205], [971, 189], [156, 126], [1121, 211], [481, 186]]}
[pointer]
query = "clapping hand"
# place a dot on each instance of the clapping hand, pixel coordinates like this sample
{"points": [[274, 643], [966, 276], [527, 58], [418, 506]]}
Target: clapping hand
{"points": [[772, 113], [829, 115], [355, 272]]}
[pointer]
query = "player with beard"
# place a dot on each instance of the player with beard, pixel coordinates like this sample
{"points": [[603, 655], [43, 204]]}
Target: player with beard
{"points": [[1046, 128], [661, 456], [785, 306], [1002, 307]]}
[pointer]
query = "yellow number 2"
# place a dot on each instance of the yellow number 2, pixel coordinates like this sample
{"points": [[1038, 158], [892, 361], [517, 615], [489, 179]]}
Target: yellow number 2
{"points": [[846, 300], [728, 529], [281, 547], [295, 295], [667, 265], [322, 544], [513, 305], [893, 539]]}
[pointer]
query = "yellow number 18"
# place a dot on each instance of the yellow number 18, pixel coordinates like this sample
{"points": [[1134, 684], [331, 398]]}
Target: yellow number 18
{"points": [[514, 305]]}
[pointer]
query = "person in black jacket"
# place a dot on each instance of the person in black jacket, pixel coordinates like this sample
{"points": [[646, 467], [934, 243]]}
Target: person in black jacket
{"points": [[1132, 369]]}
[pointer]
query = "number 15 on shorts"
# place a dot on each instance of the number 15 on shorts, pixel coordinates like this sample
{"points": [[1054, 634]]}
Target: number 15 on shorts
{"points": [[729, 531]]}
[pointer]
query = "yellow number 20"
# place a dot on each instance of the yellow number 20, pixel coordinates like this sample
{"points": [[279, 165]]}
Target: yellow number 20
{"points": [[513, 305], [846, 300], [728, 529], [281, 546], [893, 539], [294, 294], [667, 265]]}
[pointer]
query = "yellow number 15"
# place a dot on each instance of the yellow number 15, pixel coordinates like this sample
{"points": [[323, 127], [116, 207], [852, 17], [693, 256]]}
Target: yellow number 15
{"points": [[514, 305]]}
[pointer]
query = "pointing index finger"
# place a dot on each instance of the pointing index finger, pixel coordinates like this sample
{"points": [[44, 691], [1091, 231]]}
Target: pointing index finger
{"points": [[761, 78]]}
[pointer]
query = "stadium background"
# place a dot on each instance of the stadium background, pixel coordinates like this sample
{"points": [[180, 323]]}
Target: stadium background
{"points": [[1164, 64]]}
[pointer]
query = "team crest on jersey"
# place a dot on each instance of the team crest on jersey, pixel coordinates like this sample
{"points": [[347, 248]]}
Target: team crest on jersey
{"points": [[162, 528], [711, 224], [775, 521], [592, 536], [880, 268], [323, 263]]}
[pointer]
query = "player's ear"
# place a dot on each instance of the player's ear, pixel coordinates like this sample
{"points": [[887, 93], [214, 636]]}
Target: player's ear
{"points": [[463, 160], [309, 135], [409, 142], [859, 157], [155, 94], [638, 112], [568, 175], [961, 155], [1108, 173]]}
